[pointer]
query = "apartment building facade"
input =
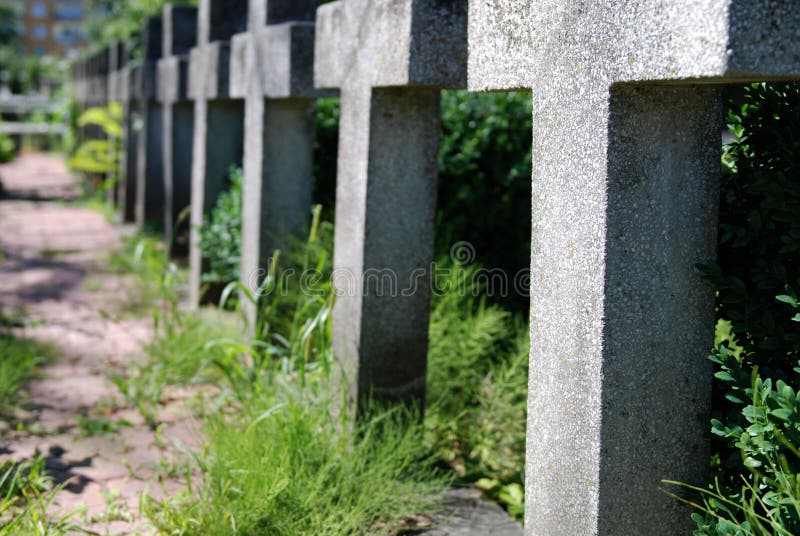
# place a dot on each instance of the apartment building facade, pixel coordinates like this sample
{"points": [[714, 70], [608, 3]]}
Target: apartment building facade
{"points": [[51, 27]]}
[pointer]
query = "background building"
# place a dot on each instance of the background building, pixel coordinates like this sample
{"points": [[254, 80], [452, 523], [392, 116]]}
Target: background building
{"points": [[50, 27]]}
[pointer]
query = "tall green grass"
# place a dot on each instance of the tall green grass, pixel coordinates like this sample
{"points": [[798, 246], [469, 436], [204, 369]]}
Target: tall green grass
{"points": [[19, 361], [275, 460], [154, 283], [282, 465], [477, 389], [26, 496]]}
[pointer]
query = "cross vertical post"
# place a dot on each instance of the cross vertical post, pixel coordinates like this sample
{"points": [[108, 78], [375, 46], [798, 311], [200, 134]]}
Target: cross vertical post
{"points": [[390, 59], [272, 69], [218, 119], [180, 35], [627, 121], [149, 160]]}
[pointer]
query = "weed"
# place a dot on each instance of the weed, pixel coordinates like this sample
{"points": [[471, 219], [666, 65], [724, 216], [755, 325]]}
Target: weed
{"points": [[19, 359], [284, 467], [116, 509], [93, 426], [26, 495], [220, 235], [156, 281], [274, 460]]}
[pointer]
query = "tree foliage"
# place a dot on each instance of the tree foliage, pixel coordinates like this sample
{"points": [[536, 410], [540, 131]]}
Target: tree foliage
{"points": [[122, 20]]}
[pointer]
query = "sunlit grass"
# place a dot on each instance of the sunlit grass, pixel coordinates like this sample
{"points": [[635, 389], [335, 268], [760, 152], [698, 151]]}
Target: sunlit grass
{"points": [[19, 360]]}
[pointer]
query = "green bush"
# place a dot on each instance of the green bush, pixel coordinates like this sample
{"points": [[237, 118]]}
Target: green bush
{"points": [[221, 234], [477, 390], [756, 423], [484, 195], [100, 156], [758, 242], [8, 149], [112, 20], [326, 148], [759, 246], [764, 497]]}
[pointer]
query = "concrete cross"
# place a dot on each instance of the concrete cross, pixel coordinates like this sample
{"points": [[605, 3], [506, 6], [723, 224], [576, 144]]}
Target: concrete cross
{"points": [[95, 72], [626, 147], [389, 58], [218, 119], [180, 35], [149, 159], [116, 61], [126, 188], [272, 68], [76, 72], [98, 77]]}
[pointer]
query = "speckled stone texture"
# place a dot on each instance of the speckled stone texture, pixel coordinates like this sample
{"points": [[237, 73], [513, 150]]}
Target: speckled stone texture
{"points": [[149, 160], [272, 68], [386, 180], [218, 119], [180, 35], [467, 513], [624, 204]]}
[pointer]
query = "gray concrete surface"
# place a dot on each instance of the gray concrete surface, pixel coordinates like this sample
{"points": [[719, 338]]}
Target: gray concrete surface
{"points": [[180, 35], [272, 68], [386, 180], [149, 160], [624, 204], [218, 119]]}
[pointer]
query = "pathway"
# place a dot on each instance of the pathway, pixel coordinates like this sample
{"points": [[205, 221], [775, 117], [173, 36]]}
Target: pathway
{"points": [[53, 257], [52, 269]]}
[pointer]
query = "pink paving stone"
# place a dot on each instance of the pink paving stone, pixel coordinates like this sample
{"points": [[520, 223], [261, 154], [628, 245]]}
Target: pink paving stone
{"points": [[70, 392], [43, 176], [49, 249]]}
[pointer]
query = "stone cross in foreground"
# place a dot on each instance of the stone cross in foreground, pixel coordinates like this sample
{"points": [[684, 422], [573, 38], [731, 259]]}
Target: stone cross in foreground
{"points": [[218, 119], [272, 68], [149, 161], [626, 157], [180, 35], [389, 58]]}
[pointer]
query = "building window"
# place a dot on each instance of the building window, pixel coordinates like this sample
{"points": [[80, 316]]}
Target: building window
{"points": [[68, 36], [38, 10], [69, 12], [40, 32]]}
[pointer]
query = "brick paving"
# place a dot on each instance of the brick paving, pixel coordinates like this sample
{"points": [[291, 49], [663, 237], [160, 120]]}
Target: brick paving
{"points": [[49, 250]]}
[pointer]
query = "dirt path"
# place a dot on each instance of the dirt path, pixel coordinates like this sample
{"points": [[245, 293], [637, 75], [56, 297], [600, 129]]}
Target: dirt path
{"points": [[52, 269]]}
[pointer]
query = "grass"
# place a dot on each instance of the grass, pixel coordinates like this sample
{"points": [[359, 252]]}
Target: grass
{"points": [[477, 391], [26, 495], [282, 466], [19, 360], [275, 461], [154, 280]]}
